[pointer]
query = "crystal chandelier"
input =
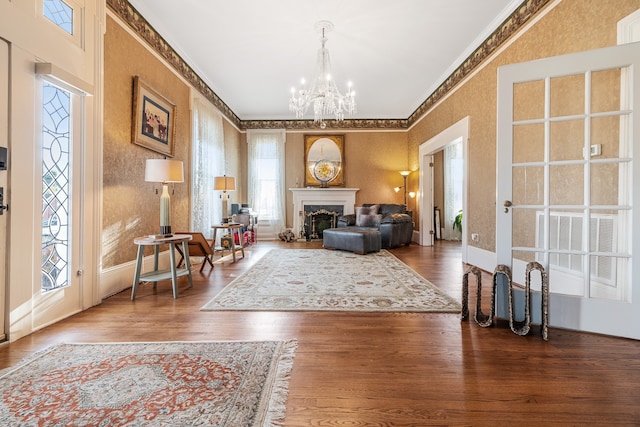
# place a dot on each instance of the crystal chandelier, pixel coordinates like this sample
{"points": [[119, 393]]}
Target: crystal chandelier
{"points": [[323, 93]]}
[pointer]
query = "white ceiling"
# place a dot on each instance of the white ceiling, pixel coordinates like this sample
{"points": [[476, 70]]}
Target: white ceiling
{"points": [[396, 53]]}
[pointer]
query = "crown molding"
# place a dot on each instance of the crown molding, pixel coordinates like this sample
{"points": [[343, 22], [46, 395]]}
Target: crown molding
{"points": [[125, 11], [508, 28], [330, 124]]}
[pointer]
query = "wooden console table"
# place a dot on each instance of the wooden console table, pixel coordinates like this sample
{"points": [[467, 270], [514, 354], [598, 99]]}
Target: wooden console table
{"points": [[156, 275], [234, 229]]}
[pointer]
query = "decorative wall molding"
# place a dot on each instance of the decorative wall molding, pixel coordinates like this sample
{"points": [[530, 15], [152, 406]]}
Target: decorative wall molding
{"points": [[144, 30], [331, 124], [510, 26]]}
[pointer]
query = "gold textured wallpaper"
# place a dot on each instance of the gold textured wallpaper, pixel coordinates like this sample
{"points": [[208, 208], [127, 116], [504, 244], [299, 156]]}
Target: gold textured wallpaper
{"points": [[371, 163], [572, 26], [131, 207], [372, 157]]}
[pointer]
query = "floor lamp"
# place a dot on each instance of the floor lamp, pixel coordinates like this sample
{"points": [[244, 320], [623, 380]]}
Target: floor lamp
{"points": [[404, 174], [164, 171], [224, 183]]}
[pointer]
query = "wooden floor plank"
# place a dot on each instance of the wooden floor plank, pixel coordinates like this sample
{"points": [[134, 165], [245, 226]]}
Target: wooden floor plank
{"points": [[387, 369]]}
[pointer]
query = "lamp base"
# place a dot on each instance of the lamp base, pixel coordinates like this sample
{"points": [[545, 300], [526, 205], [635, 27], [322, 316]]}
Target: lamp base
{"points": [[162, 236], [165, 212]]}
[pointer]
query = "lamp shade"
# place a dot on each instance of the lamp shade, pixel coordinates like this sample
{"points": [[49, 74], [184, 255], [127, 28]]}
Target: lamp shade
{"points": [[163, 170], [224, 183]]}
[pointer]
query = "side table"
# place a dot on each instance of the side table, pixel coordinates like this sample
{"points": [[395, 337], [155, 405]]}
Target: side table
{"points": [[156, 275], [234, 229]]}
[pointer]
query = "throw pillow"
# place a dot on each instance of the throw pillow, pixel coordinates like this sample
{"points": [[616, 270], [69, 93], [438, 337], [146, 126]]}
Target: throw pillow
{"points": [[367, 216], [369, 210], [368, 220]]}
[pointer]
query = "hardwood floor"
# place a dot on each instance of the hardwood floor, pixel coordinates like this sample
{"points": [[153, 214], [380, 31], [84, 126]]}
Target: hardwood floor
{"points": [[396, 369]]}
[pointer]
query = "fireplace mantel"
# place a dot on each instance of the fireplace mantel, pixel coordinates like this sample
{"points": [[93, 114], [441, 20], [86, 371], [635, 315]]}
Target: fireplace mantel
{"points": [[345, 197]]}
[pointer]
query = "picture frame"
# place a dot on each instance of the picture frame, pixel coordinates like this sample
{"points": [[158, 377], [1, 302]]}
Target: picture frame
{"points": [[324, 161], [226, 242], [154, 118]]}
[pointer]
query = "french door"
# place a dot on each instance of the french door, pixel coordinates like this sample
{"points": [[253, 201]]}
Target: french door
{"points": [[4, 133], [567, 132]]}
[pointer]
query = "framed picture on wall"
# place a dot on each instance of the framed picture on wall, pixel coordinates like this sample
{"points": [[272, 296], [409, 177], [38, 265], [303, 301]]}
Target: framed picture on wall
{"points": [[154, 118], [324, 160]]}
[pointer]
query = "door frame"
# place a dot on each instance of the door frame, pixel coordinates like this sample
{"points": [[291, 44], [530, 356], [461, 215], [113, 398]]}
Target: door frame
{"points": [[4, 182], [34, 40], [458, 130]]}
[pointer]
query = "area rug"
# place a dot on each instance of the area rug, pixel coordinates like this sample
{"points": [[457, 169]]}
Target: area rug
{"points": [[149, 384], [325, 280]]}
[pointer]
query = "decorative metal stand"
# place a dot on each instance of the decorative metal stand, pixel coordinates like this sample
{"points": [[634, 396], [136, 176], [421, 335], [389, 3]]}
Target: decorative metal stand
{"points": [[487, 320], [544, 295], [518, 327], [481, 319], [464, 315]]}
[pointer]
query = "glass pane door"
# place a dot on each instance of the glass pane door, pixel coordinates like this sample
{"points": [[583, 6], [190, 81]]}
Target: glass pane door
{"points": [[564, 177]]}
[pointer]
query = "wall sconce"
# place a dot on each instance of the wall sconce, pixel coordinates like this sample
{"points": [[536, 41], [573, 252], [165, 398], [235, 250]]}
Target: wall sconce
{"points": [[404, 174], [224, 183], [164, 171]]}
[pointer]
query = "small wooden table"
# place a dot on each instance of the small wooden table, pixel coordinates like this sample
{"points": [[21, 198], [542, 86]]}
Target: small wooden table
{"points": [[234, 229], [156, 275]]}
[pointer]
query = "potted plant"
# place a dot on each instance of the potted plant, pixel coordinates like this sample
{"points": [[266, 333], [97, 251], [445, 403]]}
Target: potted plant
{"points": [[457, 221]]}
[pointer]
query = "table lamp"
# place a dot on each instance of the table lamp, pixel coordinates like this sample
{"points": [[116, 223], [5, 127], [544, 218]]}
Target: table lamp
{"points": [[224, 183], [164, 171]]}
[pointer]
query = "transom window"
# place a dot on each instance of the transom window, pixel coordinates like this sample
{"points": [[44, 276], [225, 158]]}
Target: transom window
{"points": [[60, 13]]}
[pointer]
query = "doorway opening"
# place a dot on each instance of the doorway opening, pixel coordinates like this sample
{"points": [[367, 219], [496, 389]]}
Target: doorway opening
{"points": [[451, 144]]}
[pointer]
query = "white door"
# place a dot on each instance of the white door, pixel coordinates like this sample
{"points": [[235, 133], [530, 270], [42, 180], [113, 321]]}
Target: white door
{"points": [[566, 134], [427, 229], [4, 132]]}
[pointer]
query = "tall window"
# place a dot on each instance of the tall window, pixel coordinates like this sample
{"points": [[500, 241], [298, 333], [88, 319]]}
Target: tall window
{"points": [[207, 162], [266, 178], [56, 188]]}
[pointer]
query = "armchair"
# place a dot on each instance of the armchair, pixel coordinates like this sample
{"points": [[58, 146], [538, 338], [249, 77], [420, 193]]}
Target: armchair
{"points": [[393, 221]]}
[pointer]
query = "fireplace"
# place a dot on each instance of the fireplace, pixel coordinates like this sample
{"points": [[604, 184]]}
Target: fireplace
{"points": [[332, 199], [318, 218]]}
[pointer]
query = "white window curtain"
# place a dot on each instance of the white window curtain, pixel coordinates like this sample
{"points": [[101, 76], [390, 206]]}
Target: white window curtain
{"points": [[207, 162], [266, 179], [453, 184]]}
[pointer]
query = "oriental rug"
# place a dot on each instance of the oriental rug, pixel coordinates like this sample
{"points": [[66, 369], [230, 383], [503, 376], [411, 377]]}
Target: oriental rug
{"points": [[149, 384], [325, 280]]}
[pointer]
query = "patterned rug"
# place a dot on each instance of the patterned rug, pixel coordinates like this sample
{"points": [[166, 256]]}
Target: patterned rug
{"points": [[149, 384], [324, 280]]}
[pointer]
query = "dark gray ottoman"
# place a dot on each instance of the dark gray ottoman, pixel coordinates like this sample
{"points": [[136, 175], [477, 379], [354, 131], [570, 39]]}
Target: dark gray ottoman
{"points": [[357, 240]]}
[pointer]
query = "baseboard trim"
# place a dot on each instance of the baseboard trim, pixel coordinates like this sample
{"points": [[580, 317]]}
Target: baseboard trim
{"points": [[120, 277], [481, 258]]}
